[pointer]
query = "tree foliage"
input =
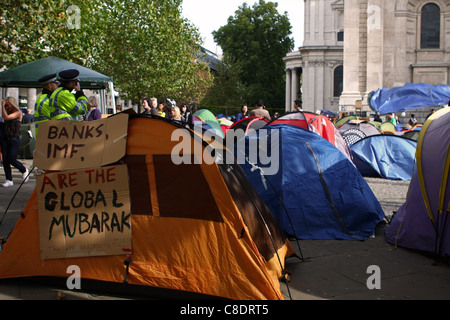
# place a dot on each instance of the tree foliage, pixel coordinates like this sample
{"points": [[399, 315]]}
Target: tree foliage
{"points": [[227, 90], [145, 46], [255, 40], [151, 50], [34, 29]]}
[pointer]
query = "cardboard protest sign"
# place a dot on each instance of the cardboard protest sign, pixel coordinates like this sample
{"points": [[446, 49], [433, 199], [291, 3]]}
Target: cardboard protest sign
{"points": [[84, 213], [68, 145]]}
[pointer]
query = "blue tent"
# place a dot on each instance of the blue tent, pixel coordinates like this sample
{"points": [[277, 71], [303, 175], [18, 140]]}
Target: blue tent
{"points": [[317, 193], [386, 156], [409, 96]]}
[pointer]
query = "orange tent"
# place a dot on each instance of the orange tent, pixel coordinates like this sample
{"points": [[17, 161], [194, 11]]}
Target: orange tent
{"points": [[195, 227]]}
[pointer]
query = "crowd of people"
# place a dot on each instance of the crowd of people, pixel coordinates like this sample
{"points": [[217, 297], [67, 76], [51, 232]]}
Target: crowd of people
{"points": [[184, 111], [167, 110]]}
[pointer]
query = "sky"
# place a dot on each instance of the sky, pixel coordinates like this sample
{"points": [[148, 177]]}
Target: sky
{"points": [[210, 15]]}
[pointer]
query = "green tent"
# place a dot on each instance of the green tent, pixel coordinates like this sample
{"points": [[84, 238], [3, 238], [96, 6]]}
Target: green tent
{"points": [[28, 74], [344, 120], [387, 127]]}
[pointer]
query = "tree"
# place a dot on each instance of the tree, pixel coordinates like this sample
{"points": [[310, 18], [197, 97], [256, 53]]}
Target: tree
{"points": [[256, 39], [227, 89], [34, 29], [151, 50], [145, 46]]}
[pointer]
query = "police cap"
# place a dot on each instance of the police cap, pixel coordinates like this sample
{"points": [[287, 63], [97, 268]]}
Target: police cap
{"points": [[48, 79], [69, 75]]}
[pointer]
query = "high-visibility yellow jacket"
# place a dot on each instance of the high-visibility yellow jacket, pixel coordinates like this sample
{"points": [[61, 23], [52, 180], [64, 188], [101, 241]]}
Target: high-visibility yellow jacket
{"points": [[64, 105], [41, 108]]}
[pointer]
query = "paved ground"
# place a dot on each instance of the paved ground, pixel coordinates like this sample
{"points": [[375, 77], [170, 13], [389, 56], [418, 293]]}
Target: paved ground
{"points": [[334, 270]]}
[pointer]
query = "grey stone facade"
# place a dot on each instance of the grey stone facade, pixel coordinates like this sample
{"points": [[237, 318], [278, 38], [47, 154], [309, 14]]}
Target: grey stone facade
{"points": [[385, 45]]}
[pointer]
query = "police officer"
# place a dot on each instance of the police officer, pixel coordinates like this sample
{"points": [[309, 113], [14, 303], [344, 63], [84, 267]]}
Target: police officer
{"points": [[41, 108], [64, 105]]}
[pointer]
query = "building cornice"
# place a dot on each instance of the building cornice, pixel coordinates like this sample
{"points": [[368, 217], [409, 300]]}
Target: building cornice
{"points": [[320, 48]]}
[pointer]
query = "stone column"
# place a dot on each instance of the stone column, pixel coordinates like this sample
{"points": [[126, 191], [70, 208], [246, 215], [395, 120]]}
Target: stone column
{"points": [[295, 87], [319, 99], [352, 56], [31, 98], [13, 92], [288, 91], [374, 45]]}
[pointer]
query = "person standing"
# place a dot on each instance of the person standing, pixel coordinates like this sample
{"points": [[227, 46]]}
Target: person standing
{"points": [[64, 105], [393, 120], [297, 106], [94, 112], [12, 117], [161, 111], [176, 114], [184, 111], [260, 111], [148, 107], [41, 108], [431, 113], [243, 114], [27, 117], [412, 121]]}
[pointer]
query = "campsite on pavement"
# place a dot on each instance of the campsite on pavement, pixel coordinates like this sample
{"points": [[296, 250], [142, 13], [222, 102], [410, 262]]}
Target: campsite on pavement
{"points": [[334, 269], [230, 242]]}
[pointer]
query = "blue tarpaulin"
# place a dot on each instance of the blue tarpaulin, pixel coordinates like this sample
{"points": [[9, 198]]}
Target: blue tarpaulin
{"points": [[386, 156], [316, 193], [410, 96]]}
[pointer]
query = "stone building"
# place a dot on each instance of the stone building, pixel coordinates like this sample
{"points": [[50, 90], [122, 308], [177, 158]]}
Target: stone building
{"points": [[353, 47]]}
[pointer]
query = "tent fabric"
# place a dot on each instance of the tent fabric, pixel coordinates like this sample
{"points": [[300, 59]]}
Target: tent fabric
{"points": [[206, 115], [388, 127], [319, 124], [412, 134], [225, 122], [328, 113], [27, 75], [346, 119], [421, 223], [317, 193], [352, 132], [195, 227], [351, 136], [208, 121], [407, 97], [249, 123], [368, 128], [385, 156]]}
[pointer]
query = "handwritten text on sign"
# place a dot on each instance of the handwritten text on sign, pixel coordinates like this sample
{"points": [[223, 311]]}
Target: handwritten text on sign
{"points": [[66, 145], [84, 213]]}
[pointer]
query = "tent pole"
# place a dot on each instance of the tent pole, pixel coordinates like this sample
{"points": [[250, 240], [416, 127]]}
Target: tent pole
{"points": [[113, 97], [102, 101]]}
